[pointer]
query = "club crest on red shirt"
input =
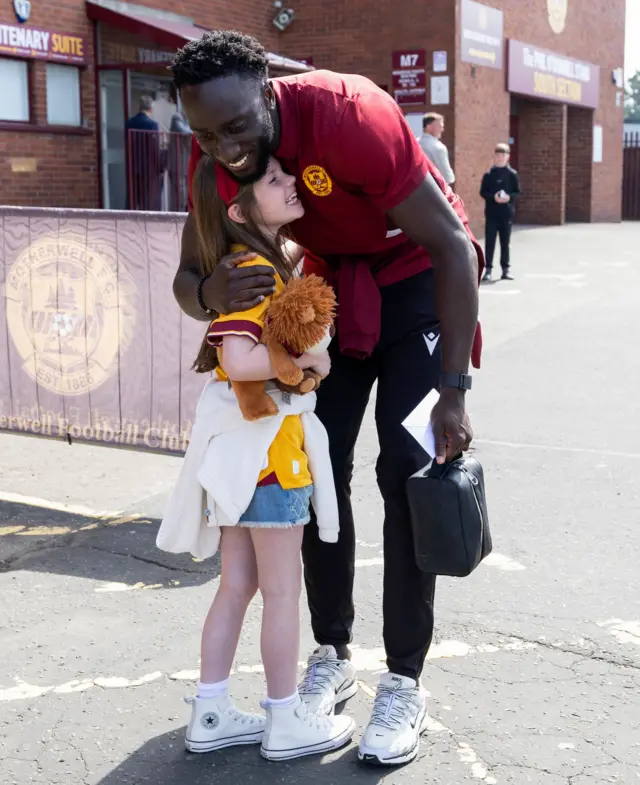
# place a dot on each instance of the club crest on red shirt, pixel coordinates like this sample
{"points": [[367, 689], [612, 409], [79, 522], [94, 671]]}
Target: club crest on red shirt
{"points": [[317, 180]]}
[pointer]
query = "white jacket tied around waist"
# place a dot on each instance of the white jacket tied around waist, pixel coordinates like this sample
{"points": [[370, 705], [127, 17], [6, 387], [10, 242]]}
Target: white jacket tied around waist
{"points": [[222, 464]]}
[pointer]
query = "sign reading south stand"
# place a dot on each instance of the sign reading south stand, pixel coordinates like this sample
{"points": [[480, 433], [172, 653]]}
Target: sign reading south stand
{"points": [[33, 43], [552, 77]]}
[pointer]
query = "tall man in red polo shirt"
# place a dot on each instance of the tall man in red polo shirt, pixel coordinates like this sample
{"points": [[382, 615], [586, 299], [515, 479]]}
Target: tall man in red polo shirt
{"points": [[383, 227]]}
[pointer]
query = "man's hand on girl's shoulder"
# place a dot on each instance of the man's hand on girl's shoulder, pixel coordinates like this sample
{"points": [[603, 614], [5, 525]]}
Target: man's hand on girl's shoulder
{"points": [[231, 288]]}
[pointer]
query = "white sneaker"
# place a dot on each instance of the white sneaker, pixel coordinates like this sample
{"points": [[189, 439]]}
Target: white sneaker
{"points": [[216, 723], [327, 681], [399, 717], [293, 732]]}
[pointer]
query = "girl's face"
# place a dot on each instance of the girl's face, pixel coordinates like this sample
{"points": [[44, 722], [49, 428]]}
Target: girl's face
{"points": [[276, 199]]}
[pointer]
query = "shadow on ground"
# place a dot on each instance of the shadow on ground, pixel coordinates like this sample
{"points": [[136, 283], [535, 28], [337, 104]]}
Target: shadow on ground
{"points": [[120, 550], [163, 761]]}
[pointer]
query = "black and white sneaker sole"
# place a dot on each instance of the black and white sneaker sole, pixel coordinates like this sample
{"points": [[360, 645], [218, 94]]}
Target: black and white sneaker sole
{"points": [[315, 749], [221, 744], [373, 758]]}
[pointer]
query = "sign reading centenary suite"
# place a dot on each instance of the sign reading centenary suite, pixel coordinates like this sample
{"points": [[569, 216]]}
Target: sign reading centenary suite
{"points": [[35, 44], [552, 77], [93, 347], [482, 34]]}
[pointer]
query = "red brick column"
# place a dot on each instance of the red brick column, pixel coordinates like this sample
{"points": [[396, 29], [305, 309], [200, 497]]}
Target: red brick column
{"points": [[543, 163], [579, 165]]}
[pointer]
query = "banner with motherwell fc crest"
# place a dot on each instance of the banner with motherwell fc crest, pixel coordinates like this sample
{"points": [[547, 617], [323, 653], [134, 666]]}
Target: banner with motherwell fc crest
{"points": [[93, 346]]}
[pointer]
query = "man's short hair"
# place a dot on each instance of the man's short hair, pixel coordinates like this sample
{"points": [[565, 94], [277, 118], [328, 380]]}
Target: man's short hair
{"points": [[429, 118], [219, 53], [146, 103], [502, 148]]}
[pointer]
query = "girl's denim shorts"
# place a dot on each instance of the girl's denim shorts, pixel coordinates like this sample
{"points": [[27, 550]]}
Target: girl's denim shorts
{"points": [[273, 507]]}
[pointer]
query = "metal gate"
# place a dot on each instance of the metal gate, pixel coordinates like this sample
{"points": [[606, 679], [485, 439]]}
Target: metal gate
{"points": [[631, 178]]}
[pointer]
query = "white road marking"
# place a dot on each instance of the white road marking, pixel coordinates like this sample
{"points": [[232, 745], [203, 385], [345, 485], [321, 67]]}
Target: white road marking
{"points": [[365, 660], [502, 562], [566, 746], [24, 690], [555, 276], [364, 544], [497, 560], [557, 448], [434, 726], [74, 509], [120, 587], [624, 631], [366, 689], [470, 757], [375, 562]]}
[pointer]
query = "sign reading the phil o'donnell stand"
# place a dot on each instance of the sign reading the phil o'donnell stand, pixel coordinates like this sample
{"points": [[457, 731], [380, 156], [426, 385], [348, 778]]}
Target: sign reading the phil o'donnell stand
{"points": [[552, 77]]}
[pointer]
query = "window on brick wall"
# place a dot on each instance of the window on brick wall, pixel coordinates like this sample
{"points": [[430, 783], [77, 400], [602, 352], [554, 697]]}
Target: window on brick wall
{"points": [[14, 95], [63, 95]]}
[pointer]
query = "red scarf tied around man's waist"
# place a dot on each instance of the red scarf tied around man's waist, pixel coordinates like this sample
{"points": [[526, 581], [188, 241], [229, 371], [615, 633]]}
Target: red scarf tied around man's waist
{"points": [[360, 303]]}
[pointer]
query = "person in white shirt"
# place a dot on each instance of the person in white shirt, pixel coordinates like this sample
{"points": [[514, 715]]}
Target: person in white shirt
{"points": [[436, 151]]}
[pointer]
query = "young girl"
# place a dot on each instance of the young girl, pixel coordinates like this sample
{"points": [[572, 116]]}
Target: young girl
{"points": [[262, 550]]}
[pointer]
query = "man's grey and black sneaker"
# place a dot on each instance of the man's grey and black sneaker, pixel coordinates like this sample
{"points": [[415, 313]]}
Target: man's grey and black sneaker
{"points": [[327, 681], [399, 716]]}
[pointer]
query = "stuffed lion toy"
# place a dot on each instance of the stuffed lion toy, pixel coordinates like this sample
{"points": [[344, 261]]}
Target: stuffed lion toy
{"points": [[298, 321]]}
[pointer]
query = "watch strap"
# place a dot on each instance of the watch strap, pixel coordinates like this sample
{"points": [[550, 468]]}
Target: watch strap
{"points": [[459, 381], [200, 298]]}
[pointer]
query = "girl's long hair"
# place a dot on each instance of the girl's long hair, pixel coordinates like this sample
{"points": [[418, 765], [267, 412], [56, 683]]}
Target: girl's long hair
{"points": [[217, 233]]}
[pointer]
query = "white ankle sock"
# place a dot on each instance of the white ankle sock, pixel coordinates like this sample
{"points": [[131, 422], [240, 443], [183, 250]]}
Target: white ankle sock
{"points": [[283, 702], [213, 690]]}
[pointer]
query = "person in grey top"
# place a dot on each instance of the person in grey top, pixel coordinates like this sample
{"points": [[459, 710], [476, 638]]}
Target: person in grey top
{"points": [[179, 149], [437, 153]]}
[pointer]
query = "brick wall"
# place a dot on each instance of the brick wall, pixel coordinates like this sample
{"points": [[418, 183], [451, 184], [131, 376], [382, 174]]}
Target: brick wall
{"points": [[358, 36], [543, 163], [579, 157], [67, 164], [352, 36], [594, 32]]}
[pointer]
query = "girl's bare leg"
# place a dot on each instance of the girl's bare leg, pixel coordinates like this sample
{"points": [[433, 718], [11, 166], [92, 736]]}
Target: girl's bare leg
{"points": [[279, 565], [238, 585]]}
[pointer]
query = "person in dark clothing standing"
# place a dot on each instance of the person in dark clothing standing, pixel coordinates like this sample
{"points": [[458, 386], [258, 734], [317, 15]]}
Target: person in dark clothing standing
{"points": [[146, 163], [500, 188]]}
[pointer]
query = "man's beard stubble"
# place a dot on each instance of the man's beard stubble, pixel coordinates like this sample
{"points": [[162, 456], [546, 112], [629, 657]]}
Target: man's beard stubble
{"points": [[263, 152]]}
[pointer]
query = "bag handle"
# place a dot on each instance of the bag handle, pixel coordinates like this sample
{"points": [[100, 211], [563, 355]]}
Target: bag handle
{"points": [[437, 471]]}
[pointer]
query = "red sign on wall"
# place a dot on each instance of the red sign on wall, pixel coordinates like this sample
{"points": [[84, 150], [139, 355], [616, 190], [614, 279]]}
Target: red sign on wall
{"points": [[409, 77], [31, 43]]}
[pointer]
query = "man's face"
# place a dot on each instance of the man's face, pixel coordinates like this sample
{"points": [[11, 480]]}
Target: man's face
{"points": [[501, 159], [436, 128], [231, 120]]}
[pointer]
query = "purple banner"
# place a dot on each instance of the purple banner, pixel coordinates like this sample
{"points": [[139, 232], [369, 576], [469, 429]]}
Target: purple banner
{"points": [[537, 72], [93, 346]]}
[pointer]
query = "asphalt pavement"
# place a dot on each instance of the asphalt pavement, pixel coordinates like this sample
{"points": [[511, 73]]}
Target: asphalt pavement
{"points": [[534, 676]]}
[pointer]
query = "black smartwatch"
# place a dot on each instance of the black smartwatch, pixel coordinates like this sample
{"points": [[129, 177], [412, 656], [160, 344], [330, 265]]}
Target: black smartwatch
{"points": [[201, 301], [459, 381]]}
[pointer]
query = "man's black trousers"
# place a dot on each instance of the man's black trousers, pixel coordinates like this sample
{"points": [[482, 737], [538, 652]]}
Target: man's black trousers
{"points": [[406, 366]]}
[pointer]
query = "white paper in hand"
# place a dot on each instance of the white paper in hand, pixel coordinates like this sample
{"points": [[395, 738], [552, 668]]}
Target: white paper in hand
{"points": [[418, 423]]}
